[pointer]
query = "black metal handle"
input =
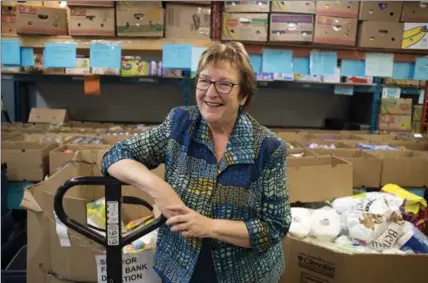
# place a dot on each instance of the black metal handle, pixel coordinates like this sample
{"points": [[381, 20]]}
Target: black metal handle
{"points": [[85, 230]]}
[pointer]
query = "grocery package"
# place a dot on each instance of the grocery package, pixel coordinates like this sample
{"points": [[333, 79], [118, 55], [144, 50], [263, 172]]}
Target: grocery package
{"points": [[321, 146], [86, 140], [376, 147], [370, 222], [96, 220], [415, 207]]}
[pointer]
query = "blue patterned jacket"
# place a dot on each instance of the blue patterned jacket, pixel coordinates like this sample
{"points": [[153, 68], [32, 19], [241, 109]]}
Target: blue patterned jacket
{"points": [[248, 184]]}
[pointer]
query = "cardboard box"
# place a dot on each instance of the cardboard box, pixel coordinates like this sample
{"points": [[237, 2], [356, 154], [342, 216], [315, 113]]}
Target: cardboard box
{"points": [[82, 67], [329, 178], [404, 168], [140, 19], [333, 30], [291, 27], [417, 113], [187, 21], [245, 27], [344, 9], [366, 165], [41, 20], [304, 7], [390, 81], [64, 154], [76, 262], [91, 3], [48, 115], [309, 262], [26, 161], [395, 106], [246, 6], [415, 11], [395, 122], [386, 35], [92, 21], [415, 36], [411, 145], [380, 11], [8, 20], [55, 4], [416, 127]]}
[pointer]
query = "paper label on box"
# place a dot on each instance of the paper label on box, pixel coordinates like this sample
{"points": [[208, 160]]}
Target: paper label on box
{"points": [[391, 92], [61, 231], [137, 268], [421, 96]]}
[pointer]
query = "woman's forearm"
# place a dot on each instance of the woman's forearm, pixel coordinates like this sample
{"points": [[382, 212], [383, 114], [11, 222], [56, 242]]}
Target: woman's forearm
{"points": [[232, 232], [136, 174]]}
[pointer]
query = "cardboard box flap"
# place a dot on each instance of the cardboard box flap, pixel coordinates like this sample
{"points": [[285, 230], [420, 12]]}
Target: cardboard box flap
{"points": [[46, 115], [319, 178], [29, 202]]}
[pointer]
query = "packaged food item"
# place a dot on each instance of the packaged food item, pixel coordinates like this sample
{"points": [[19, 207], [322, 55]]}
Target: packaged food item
{"points": [[322, 146], [376, 147], [413, 240]]}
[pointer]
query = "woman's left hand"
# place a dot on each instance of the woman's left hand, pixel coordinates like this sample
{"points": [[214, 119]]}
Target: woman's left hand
{"points": [[189, 222]]}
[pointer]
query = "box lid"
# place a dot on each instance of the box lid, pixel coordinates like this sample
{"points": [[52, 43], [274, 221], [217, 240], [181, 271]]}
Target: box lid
{"points": [[46, 115]]}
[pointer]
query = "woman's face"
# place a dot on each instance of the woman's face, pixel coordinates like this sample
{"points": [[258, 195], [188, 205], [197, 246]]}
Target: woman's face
{"points": [[218, 104]]}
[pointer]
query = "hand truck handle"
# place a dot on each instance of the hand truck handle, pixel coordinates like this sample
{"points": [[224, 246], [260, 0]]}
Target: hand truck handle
{"points": [[111, 184]]}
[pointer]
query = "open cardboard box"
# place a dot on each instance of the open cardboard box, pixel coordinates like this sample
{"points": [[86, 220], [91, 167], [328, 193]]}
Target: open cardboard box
{"points": [[367, 166], [311, 263], [404, 168], [65, 153], [45, 254], [308, 262], [315, 178], [299, 153], [26, 161], [336, 143]]}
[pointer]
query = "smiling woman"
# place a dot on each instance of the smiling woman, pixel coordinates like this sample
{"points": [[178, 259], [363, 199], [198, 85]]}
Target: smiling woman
{"points": [[225, 191]]}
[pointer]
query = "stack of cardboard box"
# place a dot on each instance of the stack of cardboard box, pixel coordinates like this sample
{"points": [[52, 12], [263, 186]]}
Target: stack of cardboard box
{"points": [[417, 118], [336, 22], [395, 115], [381, 27], [245, 21], [415, 19], [292, 21]]}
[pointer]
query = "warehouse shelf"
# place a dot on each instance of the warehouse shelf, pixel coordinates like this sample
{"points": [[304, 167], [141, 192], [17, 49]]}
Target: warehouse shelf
{"points": [[156, 44], [128, 43]]}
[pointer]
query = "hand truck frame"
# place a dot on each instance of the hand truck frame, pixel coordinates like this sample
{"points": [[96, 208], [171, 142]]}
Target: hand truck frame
{"points": [[113, 240]]}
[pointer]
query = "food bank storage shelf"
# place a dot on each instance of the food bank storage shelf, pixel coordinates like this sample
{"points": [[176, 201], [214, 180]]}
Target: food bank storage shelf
{"points": [[148, 44]]}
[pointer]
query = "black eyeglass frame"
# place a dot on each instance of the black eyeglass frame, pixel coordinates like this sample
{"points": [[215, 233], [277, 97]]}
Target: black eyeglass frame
{"points": [[215, 86]]}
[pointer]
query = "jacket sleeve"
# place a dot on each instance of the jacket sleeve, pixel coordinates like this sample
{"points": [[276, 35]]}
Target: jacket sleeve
{"points": [[274, 217], [147, 148]]}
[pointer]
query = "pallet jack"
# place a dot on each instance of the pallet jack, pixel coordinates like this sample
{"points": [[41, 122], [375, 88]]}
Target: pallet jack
{"points": [[113, 240]]}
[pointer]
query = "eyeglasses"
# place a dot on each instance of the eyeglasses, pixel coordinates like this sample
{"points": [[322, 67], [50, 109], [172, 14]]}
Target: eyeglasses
{"points": [[220, 86]]}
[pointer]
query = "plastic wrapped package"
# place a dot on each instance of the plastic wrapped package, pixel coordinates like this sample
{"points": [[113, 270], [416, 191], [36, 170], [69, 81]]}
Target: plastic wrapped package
{"points": [[321, 146], [412, 239], [325, 224], [376, 147], [301, 222]]}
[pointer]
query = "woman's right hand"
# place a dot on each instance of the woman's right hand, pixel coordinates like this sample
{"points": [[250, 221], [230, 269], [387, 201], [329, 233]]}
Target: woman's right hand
{"points": [[136, 174], [165, 197]]}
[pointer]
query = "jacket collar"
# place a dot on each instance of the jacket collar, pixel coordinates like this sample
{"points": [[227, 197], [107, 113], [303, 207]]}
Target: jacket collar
{"points": [[239, 150]]}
